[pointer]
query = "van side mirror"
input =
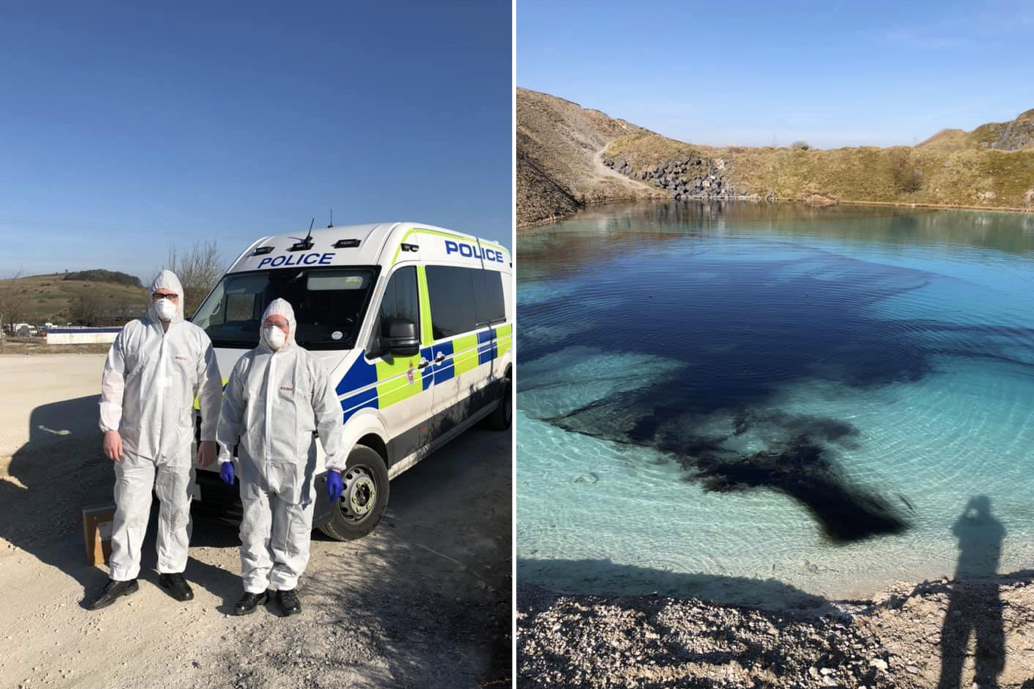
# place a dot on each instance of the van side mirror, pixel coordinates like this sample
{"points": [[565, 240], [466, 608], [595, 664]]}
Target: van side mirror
{"points": [[399, 337]]}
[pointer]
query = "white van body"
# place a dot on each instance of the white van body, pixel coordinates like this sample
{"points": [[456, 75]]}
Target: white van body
{"points": [[343, 282]]}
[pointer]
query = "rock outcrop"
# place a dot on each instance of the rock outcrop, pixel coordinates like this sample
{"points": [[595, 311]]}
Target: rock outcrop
{"points": [[1014, 135], [686, 177]]}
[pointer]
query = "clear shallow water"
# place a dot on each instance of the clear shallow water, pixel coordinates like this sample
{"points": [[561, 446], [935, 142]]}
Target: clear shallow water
{"points": [[761, 403]]}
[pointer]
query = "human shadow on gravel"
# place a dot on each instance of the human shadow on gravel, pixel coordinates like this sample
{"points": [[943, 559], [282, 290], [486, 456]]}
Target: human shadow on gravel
{"points": [[975, 607]]}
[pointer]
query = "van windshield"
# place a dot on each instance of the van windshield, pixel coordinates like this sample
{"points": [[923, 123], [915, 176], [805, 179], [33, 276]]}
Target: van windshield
{"points": [[329, 305]]}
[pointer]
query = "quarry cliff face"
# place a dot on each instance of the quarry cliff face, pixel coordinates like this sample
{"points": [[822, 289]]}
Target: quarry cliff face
{"points": [[559, 166]]}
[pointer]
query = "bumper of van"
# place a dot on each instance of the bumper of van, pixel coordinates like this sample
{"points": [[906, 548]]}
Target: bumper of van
{"points": [[224, 502]]}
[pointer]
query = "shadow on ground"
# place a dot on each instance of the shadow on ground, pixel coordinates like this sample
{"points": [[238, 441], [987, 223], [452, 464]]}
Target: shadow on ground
{"points": [[609, 578], [58, 472], [976, 606], [423, 601], [972, 629]]}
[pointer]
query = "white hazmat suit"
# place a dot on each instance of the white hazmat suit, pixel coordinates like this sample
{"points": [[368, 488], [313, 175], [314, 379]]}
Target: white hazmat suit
{"points": [[273, 402], [151, 378]]}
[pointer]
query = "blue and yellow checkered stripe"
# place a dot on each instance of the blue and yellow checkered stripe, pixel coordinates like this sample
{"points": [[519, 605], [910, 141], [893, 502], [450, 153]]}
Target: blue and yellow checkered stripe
{"points": [[381, 384]]}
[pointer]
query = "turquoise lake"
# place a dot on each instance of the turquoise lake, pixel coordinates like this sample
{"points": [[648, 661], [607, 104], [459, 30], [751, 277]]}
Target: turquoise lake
{"points": [[770, 403]]}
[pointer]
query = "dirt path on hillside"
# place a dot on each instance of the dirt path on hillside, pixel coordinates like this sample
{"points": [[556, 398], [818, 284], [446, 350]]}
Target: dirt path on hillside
{"points": [[636, 189], [422, 602]]}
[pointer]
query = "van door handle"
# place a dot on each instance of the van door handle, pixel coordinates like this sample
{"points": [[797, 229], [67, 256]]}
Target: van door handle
{"points": [[423, 363], [439, 358]]}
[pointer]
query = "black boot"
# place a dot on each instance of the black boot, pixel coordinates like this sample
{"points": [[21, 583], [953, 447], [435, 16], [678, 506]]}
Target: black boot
{"points": [[177, 586], [289, 602], [249, 601], [112, 591]]}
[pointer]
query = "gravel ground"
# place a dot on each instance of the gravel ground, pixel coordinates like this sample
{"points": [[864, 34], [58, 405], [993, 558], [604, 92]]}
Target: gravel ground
{"points": [[47, 398], [894, 640], [424, 601], [32, 346]]}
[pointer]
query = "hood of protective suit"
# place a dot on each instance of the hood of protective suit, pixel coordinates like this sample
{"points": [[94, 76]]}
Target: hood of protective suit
{"points": [[279, 307], [165, 280]]}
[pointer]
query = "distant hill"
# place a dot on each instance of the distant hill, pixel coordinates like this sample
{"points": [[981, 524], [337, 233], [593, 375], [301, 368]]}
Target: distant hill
{"points": [[568, 157], [1015, 135], [45, 298], [100, 275]]}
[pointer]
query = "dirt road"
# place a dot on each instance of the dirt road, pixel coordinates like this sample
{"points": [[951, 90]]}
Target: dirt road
{"points": [[422, 602]]}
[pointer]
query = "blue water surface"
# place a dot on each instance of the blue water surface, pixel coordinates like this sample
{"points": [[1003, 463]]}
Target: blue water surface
{"points": [[766, 403]]}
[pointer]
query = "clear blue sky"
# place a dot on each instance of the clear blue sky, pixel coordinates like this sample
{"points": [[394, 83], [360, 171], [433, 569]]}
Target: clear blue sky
{"points": [[753, 72], [128, 126]]}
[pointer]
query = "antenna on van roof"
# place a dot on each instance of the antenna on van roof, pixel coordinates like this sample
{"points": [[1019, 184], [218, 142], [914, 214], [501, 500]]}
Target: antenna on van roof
{"points": [[331, 218], [305, 244]]}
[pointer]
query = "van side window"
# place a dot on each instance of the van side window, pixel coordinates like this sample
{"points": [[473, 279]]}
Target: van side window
{"points": [[452, 300], [488, 297], [400, 297]]}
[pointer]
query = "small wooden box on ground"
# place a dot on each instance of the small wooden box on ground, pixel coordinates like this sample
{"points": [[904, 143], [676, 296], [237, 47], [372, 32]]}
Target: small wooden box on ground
{"points": [[97, 522]]}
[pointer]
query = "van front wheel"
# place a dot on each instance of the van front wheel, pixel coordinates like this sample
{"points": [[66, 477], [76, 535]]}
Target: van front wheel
{"points": [[364, 498]]}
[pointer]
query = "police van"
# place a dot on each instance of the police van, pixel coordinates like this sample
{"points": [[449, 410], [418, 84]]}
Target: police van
{"points": [[414, 324]]}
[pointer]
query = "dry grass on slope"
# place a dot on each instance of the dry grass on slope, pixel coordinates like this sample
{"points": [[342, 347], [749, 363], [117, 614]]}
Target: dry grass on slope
{"points": [[923, 175]]}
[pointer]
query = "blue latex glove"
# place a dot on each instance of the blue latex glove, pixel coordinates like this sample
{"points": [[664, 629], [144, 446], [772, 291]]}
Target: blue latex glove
{"points": [[334, 485], [226, 472]]}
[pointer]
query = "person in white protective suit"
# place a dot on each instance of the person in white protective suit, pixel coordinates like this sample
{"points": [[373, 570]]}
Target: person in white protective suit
{"points": [[277, 395], [155, 369]]}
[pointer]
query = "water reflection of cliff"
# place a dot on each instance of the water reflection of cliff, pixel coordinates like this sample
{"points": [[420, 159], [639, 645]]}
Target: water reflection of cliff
{"points": [[606, 231]]}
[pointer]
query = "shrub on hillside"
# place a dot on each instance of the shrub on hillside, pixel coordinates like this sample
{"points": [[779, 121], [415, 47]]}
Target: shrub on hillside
{"points": [[800, 146], [110, 276], [908, 179], [87, 308]]}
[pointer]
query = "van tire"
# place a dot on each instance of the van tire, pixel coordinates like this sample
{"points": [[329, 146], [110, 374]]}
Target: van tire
{"points": [[502, 416], [364, 463]]}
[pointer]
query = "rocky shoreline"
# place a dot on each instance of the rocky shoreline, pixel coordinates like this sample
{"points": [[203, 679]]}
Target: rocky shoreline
{"points": [[897, 639]]}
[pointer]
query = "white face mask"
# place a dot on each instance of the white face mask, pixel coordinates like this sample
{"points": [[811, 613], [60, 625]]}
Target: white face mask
{"points": [[166, 309], [274, 337]]}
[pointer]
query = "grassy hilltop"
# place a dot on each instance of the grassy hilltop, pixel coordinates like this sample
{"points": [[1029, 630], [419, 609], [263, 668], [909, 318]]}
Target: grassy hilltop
{"points": [[51, 297], [990, 167]]}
